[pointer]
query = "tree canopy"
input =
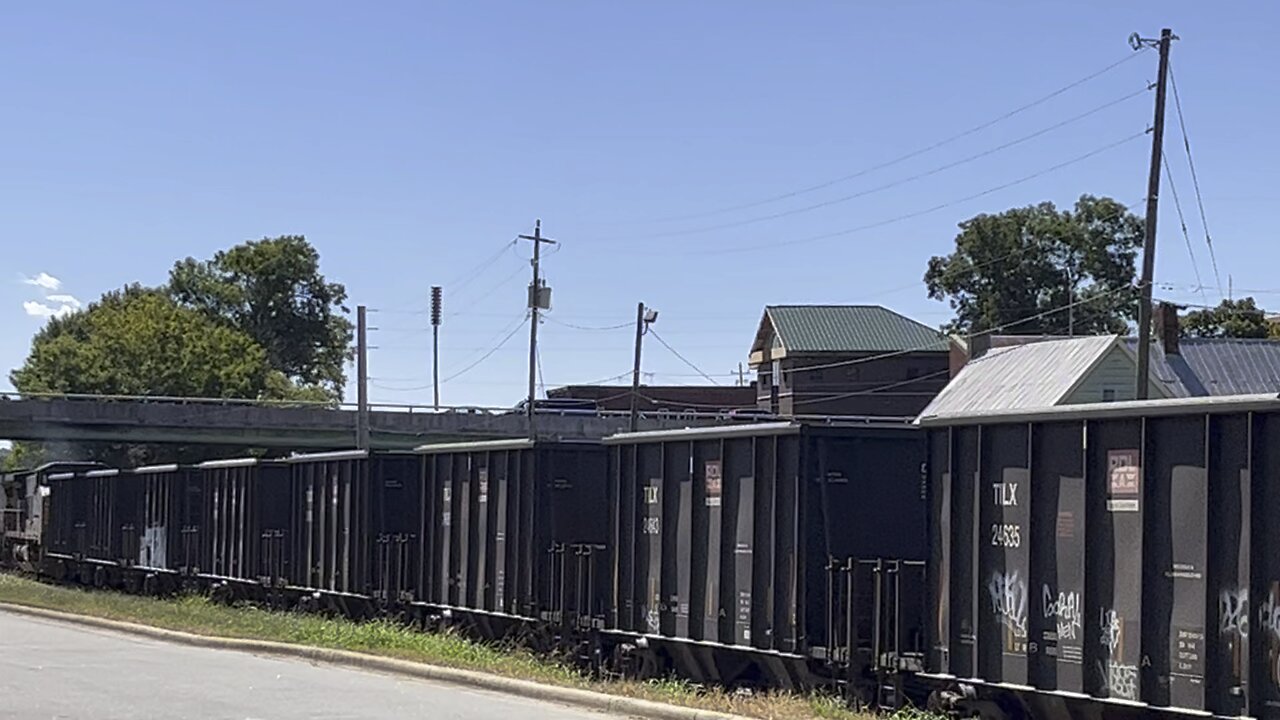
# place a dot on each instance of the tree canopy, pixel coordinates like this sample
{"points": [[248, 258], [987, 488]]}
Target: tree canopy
{"points": [[1018, 271], [1231, 319], [272, 291], [137, 341], [258, 321]]}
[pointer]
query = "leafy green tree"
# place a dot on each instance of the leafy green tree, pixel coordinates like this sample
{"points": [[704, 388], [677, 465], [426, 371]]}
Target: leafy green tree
{"points": [[1230, 319], [138, 341], [272, 290], [1016, 270]]}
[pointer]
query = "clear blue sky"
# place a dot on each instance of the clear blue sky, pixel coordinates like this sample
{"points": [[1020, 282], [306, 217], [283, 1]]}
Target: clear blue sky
{"points": [[411, 141]]}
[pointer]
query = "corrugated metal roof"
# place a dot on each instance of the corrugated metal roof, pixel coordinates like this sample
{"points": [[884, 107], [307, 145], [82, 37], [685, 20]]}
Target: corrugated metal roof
{"points": [[851, 328], [1125, 408], [1020, 377], [1217, 366]]}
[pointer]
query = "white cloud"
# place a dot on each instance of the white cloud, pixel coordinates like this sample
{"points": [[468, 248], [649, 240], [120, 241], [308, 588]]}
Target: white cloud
{"points": [[65, 300], [38, 309], [43, 280]]}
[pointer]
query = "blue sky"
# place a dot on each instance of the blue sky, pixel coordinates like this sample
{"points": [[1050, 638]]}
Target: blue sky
{"points": [[412, 141]]}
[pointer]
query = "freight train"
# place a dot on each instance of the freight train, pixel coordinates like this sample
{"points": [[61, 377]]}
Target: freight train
{"points": [[729, 555], [1095, 561]]}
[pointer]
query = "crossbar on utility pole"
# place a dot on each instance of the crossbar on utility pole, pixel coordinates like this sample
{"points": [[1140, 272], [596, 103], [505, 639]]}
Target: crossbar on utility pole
{"points": [[535, 299], [1143, 380], [362, 380]]}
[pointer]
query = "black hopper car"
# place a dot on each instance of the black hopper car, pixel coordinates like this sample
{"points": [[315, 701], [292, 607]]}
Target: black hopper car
{"points": [[1093, 561], [768, 555]]}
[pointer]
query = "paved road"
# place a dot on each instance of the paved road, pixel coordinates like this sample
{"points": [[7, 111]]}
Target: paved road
{"points": [[56, 671]]}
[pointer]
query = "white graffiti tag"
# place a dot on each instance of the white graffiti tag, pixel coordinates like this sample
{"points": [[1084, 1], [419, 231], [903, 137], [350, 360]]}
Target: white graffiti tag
{"points": [[1009, 601], [1269, 615], [1233, 611], [1065, 610], [1121, 680], [1110, 631]]}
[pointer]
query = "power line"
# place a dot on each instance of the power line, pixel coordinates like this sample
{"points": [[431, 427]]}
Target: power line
{"points": [[1177, 204], [905, 180], [990, 331], [475, 272], [1195, 180], [495, 288], [926, 211], [542, 383], [683, 359], [874, 390], [493, 350], [1121, 210], [910, 155], [591, 328]]}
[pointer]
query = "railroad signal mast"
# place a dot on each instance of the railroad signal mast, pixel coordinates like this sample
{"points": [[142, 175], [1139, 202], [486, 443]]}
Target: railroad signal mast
{"points": [[1153, 197], [436, 293]]}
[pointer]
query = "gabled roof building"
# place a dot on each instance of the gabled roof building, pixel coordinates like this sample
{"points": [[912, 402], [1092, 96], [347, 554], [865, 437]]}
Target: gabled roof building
{"points": [[1041, 373], [850, 360]]}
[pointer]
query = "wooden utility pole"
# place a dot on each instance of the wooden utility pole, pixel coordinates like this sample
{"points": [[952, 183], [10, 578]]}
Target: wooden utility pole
{"points": [[536, 299], [362, 380], [635, 371], [1153, 198]]}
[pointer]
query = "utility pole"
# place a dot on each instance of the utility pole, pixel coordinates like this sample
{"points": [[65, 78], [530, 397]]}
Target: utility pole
{"points": [[538, 298], [644, 317], [1153, 198], [362, 381], [435, 342], [742, 376]]}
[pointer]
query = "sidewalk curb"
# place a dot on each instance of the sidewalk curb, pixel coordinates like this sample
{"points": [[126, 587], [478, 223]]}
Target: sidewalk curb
{"points": [[524, 688]]}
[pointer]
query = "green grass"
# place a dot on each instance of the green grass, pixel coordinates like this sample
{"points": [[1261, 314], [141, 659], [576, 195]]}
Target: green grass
{"points": [[197, 614]]}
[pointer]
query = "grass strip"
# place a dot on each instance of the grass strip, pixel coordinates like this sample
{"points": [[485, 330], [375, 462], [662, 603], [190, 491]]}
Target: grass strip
{"points": [[198, 615]]}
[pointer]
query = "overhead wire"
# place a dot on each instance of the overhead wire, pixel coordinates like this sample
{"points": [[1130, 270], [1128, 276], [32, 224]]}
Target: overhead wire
{"points": [[682, 358], [1182, 221], [915, 153], [990, 331], [904, 180], [491, 351], [1195, 180], [926, 211], [873, 391], [590, 328]]}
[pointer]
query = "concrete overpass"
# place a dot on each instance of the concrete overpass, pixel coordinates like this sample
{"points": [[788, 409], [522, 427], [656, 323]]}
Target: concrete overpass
{"points": [[250, 423]]}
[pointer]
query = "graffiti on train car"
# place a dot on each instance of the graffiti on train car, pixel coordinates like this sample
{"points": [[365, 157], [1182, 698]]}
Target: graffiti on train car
{"points": [[1233, 612], [1064, 610], [1119, 678], [1269, 620], [1009, 601]]}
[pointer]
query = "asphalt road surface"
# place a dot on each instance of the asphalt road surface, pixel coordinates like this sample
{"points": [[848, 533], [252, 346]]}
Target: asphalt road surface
{"points": [[55, 671]]}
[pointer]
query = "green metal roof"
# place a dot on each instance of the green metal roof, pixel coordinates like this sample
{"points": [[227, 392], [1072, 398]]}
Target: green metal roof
{"points": [[850, 328]]}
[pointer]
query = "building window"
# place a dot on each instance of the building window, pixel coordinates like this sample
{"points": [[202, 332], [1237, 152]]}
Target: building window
{"points": [[1108, 395]]}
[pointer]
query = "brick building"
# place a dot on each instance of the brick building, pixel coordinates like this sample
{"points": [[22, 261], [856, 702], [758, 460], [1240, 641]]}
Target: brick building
{"points": [[847, 360]]}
